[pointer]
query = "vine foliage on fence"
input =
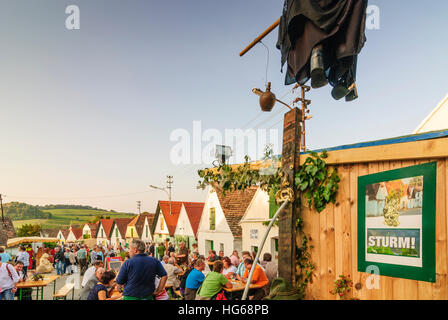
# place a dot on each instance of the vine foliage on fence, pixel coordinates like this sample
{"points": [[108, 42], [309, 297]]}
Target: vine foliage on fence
{"points": [[317, 182]]}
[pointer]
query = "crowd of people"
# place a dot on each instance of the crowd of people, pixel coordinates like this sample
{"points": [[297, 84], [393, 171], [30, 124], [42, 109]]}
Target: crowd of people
{"points": [[150, 271]]}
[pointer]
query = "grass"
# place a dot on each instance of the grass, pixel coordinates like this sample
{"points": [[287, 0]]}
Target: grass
{"points": [[65, 217]]}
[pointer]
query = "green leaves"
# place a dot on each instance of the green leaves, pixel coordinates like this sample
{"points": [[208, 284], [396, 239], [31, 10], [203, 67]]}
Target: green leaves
{"points": [[316, 182]]}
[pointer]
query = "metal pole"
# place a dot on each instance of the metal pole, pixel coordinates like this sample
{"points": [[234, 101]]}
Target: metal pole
{"points": [[260, 248], [1, 205]]}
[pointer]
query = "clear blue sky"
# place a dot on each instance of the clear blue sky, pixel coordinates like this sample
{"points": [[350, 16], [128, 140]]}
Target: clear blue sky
{"points": [[88, 113]]}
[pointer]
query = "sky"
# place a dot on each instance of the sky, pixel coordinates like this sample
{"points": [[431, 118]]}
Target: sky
{"points": [[86, 115]]}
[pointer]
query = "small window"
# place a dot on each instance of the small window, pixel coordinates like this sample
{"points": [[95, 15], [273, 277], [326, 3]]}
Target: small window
{"points": [[161, 223], [116, 232], [132, 232], [102, 233], [212, 219], [147, 230]]}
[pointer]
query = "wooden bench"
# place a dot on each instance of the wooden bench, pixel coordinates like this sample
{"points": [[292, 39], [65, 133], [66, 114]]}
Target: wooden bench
{"points": [[64, 291]]}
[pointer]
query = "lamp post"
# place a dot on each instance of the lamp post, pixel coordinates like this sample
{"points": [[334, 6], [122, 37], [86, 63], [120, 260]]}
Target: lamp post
{"points": [[167, 190]]}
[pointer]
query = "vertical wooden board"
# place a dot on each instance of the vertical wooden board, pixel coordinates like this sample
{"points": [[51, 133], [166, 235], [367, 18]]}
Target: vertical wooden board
{"points": [[386, 283], [311, 229], [355, 275], [441, 223], [346, 226], [363, 294], [331, 259], [440, 288], [323, 258], [338, 220]]}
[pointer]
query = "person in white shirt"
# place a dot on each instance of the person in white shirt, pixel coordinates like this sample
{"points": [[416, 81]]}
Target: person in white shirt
{"points": [[90, 272], [229, 270], [8, 280]]}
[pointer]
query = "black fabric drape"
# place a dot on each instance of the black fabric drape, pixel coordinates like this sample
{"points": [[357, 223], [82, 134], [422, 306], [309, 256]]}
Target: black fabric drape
{"points": [[338, 25]]}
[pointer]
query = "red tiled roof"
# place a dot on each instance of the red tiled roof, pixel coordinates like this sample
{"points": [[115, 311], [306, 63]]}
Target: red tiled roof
{"points": [[107, 226], [150, 218], [77, 232], [171, 219], [93, 227], [194, 212], [65, 233], [122, 224], [234, 205]]}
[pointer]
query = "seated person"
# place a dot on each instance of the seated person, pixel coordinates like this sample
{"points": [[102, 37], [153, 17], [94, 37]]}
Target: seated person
{"points": [[91, 283], [90, 272], [229, 269], [214, 257], [172, 272], [213, 283], [45, 266], [194, 280], [259, 278], [100, 290]]}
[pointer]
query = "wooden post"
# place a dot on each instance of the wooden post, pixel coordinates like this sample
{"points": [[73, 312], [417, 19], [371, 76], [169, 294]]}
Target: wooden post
{"points": [[287, 220]]}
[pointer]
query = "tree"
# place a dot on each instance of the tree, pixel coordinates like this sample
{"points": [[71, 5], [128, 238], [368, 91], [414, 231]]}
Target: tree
{"points": [[29, 230]]}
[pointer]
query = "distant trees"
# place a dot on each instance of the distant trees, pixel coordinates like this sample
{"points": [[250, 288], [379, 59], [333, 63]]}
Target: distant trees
{"points": [[29, 230], [23, 211]]}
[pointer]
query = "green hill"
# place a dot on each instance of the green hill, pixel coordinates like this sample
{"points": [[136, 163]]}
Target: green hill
{"points": [[60, 218]]}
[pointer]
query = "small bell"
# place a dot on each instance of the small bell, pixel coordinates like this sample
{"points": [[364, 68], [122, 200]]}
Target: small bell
{"points": [[267, 99]]}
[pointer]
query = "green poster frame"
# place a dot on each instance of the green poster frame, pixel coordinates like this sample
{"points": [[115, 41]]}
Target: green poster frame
{"points": [[427, 272]]}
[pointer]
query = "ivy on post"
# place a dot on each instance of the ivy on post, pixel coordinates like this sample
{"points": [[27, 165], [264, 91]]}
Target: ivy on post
{"points": [[287, 220]]}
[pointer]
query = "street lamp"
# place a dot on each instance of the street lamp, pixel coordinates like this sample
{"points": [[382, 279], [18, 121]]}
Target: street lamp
{"points": [[167, 190]]}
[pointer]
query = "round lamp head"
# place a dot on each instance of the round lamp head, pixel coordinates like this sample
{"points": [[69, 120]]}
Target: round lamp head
{"points": [[267, 99]]}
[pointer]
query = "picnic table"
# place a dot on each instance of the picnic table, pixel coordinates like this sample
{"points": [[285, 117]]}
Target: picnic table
{"points": [[39, 285], [236, 292]]}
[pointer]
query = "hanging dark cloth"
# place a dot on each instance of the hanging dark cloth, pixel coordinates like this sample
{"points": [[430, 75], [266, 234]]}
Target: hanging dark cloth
{"points": [[338, 25]]}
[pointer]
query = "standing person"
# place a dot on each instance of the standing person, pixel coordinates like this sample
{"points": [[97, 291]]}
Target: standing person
{"points": [[221, 255], [182, 255], [24, 257], [30, 252], [72, 260], [259, 278], [137, 275], [194, 250], [4, 256], [171, 249], [93, 255], [213, 283], [59, 260], [99, 254], [194, 280], [152, 250], [82, 260], [8, 280], [160, 251], [68, 264], [234, 258]]}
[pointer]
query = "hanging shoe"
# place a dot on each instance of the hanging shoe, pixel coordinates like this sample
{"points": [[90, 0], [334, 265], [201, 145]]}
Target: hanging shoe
{"points": [[318, 77], [353, 94]]}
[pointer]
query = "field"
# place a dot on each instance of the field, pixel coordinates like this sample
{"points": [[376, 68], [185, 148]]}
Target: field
{"points": [[65, 217]]}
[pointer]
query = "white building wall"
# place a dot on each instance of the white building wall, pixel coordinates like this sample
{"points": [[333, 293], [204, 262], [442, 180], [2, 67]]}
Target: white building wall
{"points": [[436, 120], [222, 234], [252, 224], [116, 241], [86, 230], [71, 237], [146, 226], [183, 227], [102, 240], [161, 227]]}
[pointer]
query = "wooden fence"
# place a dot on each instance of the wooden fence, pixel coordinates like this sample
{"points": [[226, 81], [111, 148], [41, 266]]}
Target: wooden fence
{"points": [[333, 232]]}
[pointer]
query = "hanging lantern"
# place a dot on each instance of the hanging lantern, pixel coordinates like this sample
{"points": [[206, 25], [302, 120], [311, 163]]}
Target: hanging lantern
{"points": [[267, 99]]}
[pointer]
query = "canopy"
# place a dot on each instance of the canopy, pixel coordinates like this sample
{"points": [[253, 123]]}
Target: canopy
{"points": [[16, 241]]}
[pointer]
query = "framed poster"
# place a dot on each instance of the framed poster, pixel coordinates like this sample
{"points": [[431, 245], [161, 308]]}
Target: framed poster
{"points": [[396, 222]]}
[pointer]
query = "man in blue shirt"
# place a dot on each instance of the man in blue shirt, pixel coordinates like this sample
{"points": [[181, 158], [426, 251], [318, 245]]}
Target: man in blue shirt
{"points": [[5, 257], [23, 257], [137, 275], [194, 280]]}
